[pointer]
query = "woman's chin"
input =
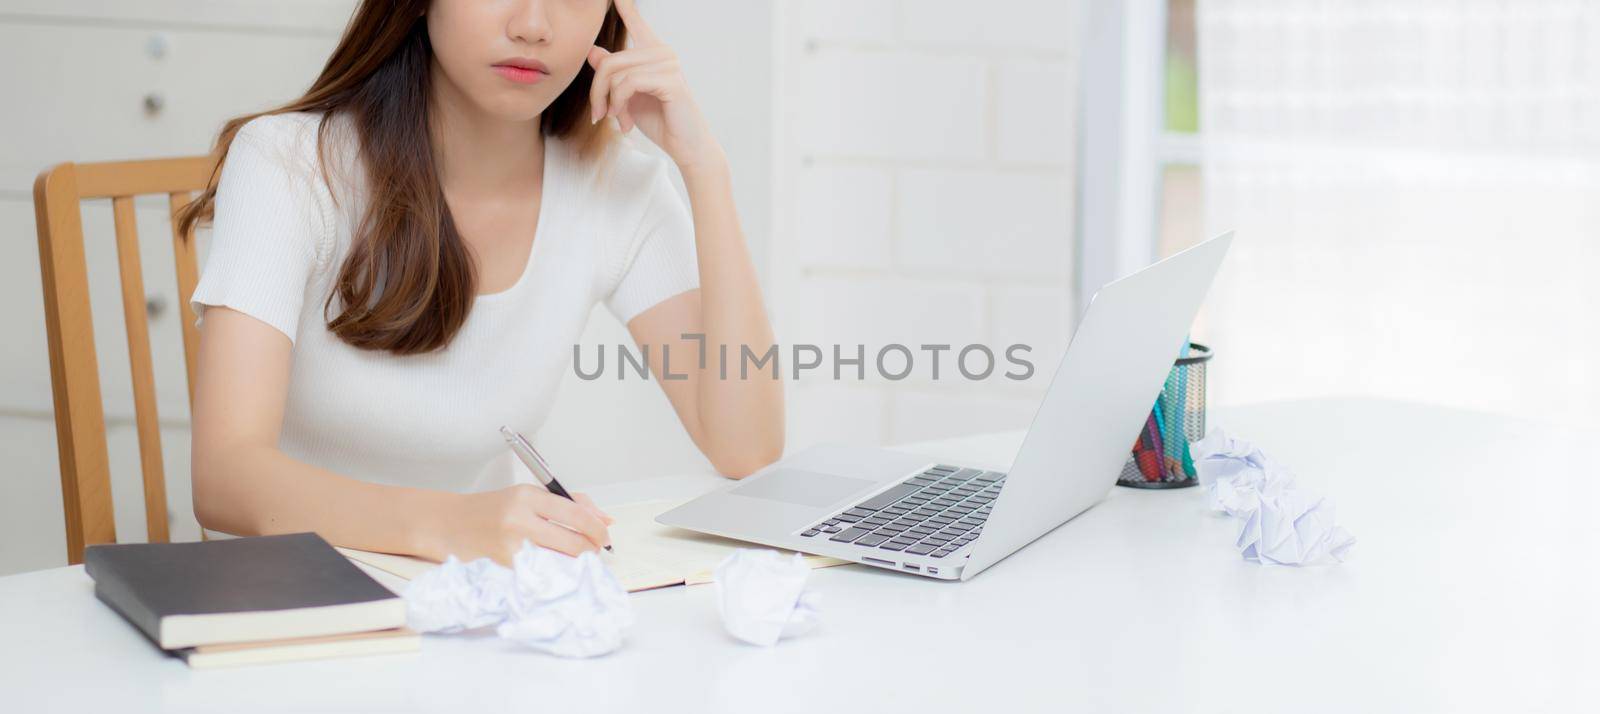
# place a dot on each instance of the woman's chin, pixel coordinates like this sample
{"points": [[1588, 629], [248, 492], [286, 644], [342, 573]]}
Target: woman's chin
{"points": [[516, 108]]}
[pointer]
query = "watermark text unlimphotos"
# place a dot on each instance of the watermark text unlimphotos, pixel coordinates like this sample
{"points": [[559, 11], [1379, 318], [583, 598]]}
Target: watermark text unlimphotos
{"points": [[893, 361]]}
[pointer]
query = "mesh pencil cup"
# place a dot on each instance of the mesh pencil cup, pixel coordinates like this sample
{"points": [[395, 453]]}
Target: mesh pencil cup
{"points": [[1160, 457]]}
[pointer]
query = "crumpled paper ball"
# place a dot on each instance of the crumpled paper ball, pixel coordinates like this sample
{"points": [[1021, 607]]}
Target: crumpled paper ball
{"points": [[1293, 526], [762, 596], [570, 607], [548, 601], [1281, 523], [1234, 472], [458, 596]]}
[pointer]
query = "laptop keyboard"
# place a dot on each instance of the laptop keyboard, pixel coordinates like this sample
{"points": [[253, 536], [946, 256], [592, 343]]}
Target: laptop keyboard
{"points": [[933, 513]]}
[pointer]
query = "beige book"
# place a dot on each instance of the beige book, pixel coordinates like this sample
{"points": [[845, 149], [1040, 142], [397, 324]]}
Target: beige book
{"points": [[647, 554], [300, 648]]}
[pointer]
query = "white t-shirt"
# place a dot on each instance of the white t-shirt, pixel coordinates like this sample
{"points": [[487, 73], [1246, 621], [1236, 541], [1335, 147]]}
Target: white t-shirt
{"points": [[612, 230]]}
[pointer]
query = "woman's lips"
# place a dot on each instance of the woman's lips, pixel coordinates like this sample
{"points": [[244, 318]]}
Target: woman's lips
{"points": [[520, 75]]}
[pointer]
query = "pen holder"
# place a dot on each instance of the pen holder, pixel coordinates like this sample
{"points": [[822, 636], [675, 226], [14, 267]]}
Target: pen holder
{"points": [[1160, 457]]}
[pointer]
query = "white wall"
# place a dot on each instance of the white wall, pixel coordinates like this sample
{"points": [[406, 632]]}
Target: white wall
{"points": [[925, 166]]}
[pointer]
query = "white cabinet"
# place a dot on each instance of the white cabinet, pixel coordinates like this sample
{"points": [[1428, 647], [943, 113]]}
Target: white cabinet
{"points": [[94, 93], [104, 80], [281, 16], [32, 532]]}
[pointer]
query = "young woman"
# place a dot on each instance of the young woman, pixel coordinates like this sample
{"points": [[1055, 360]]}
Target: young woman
{"points": [[402, 259]]}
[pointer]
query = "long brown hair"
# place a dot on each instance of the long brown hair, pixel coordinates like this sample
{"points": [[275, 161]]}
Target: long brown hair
{"points": [[408, 283]]}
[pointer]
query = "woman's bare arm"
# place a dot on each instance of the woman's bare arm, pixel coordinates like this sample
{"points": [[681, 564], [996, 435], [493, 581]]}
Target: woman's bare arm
{"points": [[244, 485], [737, 423]]}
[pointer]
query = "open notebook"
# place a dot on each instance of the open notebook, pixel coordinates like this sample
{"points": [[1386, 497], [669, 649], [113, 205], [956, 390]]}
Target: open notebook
{"points": [[648, 554]]}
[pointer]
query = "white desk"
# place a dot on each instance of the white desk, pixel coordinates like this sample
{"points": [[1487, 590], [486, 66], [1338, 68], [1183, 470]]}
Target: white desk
{"points": [[1473, 587]]}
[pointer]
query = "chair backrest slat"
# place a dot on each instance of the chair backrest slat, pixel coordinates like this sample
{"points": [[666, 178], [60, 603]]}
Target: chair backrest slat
{"points": [[110, 179], [146, 416], [74, 369]]}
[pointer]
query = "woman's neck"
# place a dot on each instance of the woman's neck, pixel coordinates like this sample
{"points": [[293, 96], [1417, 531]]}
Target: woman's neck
{"points": [[477, 152]]}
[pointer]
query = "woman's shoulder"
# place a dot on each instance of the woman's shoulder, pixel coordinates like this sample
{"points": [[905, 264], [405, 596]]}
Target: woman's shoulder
{"points": [[283, 136], [291, 139], [278, 154]]}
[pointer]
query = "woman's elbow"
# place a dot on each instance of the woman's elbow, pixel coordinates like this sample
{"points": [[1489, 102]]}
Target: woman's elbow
{"points": [[739, 462], [214, 508], [208, 507]]}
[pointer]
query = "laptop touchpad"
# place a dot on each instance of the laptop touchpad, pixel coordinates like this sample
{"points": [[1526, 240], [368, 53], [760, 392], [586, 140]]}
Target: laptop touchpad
{"points": [[806, 488]]}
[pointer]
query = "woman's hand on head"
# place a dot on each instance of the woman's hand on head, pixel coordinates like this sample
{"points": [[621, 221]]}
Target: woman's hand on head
{"points": [[495, 523], [643, 86]]}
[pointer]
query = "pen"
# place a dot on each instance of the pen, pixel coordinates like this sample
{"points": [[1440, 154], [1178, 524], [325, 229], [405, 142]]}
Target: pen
{"points": [[535, 463]]}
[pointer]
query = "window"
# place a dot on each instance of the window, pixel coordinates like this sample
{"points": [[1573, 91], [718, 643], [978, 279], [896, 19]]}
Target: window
{"points": [[1412, 184], [1179, 200], [1139, 169]]}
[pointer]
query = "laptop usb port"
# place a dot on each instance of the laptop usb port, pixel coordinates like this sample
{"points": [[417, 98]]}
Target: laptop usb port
{"points": [[879, 561], [911, 567]]}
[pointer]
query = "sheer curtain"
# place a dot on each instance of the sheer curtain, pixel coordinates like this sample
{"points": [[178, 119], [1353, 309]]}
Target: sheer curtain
{"points": [[1415, 186]]}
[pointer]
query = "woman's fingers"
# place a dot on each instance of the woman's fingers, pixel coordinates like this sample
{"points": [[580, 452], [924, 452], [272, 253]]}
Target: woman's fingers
{"points": [[553, 536], [584, 499], [597, 91], [638, 29], [646, 80], [597, 98], [607, 64], [576, 517]]}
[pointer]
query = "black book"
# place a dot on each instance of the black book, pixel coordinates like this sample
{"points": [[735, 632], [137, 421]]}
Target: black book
{"points": [[240, 590]]}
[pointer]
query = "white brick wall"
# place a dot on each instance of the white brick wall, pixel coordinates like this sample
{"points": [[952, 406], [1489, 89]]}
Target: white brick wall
{"points": [[889, 104], [1043, 26], [976, 220], [924, 195], [854, 230], [1033, 126], [847, 20]]}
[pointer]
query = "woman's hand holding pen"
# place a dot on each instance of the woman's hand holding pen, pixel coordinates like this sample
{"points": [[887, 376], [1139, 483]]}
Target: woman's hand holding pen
{"points": [[494, 523], [642, 86]]}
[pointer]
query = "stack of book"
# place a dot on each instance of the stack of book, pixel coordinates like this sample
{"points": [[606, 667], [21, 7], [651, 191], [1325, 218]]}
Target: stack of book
{"points": [[250, 600]]}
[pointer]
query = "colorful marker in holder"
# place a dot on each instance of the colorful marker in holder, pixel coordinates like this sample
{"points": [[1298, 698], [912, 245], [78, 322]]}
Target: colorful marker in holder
{"points": [[1160, 457]]}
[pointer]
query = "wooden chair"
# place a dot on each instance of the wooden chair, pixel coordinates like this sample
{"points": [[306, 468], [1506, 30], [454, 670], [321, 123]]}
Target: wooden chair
{"points": [[74, 375]]}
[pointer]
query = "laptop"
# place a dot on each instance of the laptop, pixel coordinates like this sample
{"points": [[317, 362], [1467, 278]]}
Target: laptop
{"points": [[949, 520]]}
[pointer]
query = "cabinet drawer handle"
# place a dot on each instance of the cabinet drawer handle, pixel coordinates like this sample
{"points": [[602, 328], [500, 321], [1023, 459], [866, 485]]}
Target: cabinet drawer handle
{"points": [[154, 103], [155, 305]]}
